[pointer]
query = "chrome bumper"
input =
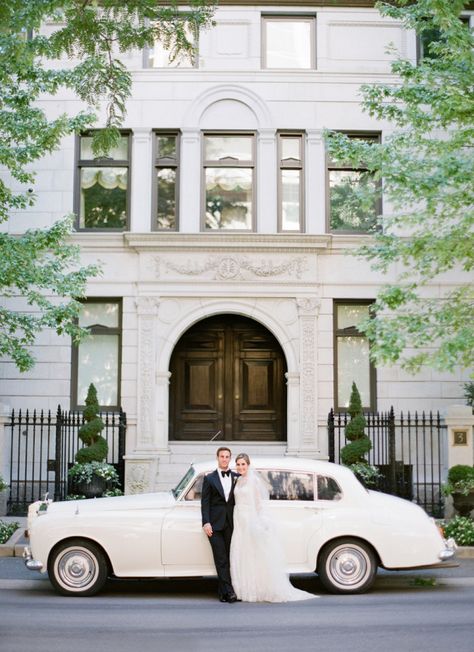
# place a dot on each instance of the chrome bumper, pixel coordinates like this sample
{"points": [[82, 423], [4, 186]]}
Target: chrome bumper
{"points": [[31, 563], [449, 550]]}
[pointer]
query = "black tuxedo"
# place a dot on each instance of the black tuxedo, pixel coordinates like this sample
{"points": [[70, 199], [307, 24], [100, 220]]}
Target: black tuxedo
{"points": [[219, 512]]}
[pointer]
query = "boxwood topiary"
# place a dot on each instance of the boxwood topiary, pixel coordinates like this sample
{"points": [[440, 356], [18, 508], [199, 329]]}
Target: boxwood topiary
{"points": [[96, 447], [359, 444]]}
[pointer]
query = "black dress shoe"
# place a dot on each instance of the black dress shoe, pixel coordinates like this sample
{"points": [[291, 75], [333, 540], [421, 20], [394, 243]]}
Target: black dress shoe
{"points": [[223, 598], [233, 598]]}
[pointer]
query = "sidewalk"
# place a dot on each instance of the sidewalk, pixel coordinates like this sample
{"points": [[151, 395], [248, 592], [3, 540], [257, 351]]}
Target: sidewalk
{"points": [[15, 544]]}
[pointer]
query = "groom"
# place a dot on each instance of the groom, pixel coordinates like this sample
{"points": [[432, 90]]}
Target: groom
{"points": [[217, 507]]}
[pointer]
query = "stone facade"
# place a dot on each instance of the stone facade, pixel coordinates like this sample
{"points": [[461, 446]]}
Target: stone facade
{"points": [[285, 281]]}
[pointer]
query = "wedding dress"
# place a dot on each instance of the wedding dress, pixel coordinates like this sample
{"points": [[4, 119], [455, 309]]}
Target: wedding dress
{"points": [[257, 563]]}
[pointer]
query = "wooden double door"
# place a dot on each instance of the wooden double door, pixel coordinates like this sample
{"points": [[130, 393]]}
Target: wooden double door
{"points": [[228, 375]]}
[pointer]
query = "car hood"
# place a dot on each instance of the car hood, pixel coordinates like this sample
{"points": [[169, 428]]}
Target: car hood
{"points": [[132, 502]]}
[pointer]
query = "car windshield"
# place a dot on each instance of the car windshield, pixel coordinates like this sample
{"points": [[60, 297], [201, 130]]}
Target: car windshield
{"points": [[177, 491]]}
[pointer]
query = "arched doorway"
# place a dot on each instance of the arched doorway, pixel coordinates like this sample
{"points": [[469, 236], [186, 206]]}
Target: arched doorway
{"points": [[228, 375]]}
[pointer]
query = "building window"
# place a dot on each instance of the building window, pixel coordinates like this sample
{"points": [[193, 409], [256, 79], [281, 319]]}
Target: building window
{"points": [[229, 174], [97, 358], [431, 36], [102, 186], [166, 181], [290, 182], [289, 42], [348, 210], [351, 349], [164, 56]]}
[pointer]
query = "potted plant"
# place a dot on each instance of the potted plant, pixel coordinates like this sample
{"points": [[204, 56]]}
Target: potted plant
{"points": [[460, 486], [353, 454], [91, 475], [3, 497]]}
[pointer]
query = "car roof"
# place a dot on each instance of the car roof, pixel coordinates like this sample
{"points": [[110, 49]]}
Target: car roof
{"points": [[283, 463]]}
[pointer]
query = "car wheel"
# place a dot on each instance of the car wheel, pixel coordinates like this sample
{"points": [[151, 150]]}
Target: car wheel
{"points": [[77, 567], [347, 566]]}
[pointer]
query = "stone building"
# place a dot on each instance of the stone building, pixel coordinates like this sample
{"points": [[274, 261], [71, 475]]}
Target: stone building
{"points": [[228, 305]]}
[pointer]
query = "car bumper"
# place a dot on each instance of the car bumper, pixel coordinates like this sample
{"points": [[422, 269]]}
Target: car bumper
{"points": [[30, 563], [449, 550]]}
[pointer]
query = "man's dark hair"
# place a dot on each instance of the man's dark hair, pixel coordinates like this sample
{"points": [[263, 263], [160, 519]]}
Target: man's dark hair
{"points": [[223, 448]]}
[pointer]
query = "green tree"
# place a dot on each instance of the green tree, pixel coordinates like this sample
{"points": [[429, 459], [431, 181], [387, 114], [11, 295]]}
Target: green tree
{"points": [[426, 167], [43, 266]]}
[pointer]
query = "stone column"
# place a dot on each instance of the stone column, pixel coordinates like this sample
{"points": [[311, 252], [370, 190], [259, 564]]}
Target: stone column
{"points": [[315, 168], [308, 309], [140, 183], [190, 181], [142, 459], [459, 421], [266, 186], [293, 412], [147, 312]]}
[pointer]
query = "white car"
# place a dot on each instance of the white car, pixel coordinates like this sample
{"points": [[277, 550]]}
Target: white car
{"points": [[328, 523]]}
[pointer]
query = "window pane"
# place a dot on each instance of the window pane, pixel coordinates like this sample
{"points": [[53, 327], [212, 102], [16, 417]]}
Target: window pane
{"points": [[288, 44], [119, 153], [291, 148], [219, 147], [287, 485], [162, 57], [290, 192], [103, 197], [98, 364], [350, 316], [166, 184], [328, 489], [99, 314], [228, 198], [353, 366], [350, 207], [166, 146]]}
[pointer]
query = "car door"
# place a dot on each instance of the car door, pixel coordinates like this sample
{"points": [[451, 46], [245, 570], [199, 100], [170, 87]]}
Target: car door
{"points": [[295, 515], [185, 547]]}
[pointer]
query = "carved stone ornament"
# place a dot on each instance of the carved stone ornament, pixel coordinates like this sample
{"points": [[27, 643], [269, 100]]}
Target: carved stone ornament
{"points": [[136, 480], [228, 268]]}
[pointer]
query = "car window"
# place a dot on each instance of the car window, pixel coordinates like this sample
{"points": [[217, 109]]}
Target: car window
{"points": [[183, 482], [289, 485], [194, 492], [328, 489]]}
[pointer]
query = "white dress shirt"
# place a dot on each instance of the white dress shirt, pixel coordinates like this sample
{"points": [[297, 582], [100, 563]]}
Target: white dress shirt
{"points": [[226, 483]]}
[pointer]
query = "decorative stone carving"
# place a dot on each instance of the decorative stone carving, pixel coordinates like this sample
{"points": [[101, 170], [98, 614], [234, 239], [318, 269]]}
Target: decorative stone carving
{"points": [[227, 268], [308, 308], [136, 478], [147, 308]]}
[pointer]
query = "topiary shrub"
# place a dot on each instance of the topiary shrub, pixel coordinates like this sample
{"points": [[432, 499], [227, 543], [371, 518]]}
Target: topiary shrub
{"points": [[460, 472], [96, 447], [359, 444]]}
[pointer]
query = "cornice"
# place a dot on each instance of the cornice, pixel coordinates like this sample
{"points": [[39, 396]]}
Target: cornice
{"points": [[219, 242]]}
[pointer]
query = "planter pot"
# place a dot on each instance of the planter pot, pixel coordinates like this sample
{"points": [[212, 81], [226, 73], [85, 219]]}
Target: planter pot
{"points": [[464, 504], [92, 489]]}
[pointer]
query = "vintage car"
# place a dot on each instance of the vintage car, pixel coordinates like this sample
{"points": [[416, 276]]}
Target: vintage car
{"points": [[328, 523]]}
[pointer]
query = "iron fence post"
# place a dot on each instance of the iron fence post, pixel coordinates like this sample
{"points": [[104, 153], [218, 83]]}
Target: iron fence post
{"points": [[331, 447], [392, 452], [58, 456]]}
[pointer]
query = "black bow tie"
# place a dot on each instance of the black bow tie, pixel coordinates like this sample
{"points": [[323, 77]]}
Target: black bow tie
{"points": [[225, 473]]}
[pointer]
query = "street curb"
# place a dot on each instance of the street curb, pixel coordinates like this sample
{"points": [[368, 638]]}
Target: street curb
{"points": [[13, 547]]}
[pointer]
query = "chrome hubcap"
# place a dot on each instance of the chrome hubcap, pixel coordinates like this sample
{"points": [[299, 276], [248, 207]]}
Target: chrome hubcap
{"points": [[348, 566], [76, 568]]}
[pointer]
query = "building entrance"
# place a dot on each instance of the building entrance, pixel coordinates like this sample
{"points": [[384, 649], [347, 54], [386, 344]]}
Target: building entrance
{"points": [[228, 375]]}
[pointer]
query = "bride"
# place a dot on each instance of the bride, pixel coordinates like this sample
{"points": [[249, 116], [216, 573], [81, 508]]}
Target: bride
{"points": [[257, 563]]}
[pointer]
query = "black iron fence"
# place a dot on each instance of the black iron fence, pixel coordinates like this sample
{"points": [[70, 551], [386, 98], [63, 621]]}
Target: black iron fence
{"points": [[409, 451], [43, 448]]}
